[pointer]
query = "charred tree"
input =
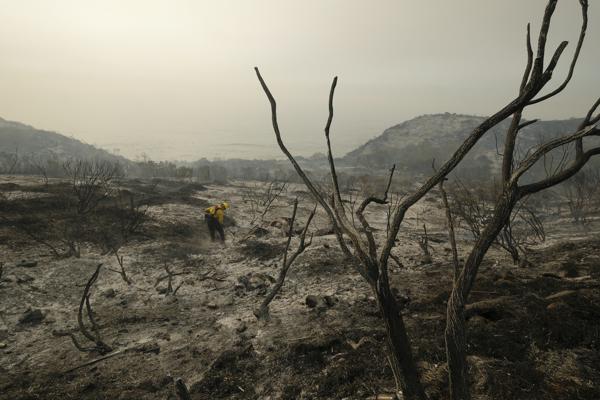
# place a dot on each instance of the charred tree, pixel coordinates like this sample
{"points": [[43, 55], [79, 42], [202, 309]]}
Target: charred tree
{"points": [[534, 79], [262, 312], [371, 261], [94, 336]]}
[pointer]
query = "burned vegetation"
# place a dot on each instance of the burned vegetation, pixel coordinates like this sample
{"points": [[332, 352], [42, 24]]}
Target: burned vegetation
{"points": [[328, 286], [280, 310]]}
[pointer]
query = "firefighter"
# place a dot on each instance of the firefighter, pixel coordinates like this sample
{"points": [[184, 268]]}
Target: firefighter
{"points": [[214, 217]]}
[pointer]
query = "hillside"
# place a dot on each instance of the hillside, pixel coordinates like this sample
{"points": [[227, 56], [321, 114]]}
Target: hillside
{"points": [[29, 142], [414, 143], [533, 332], [411, 145]]}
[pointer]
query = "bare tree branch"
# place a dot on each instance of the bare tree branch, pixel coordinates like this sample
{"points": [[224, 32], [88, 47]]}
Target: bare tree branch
{"points": [[99, 345], [334, 179], [365, 224], [567, 173], [525, 124], [373, 199], [589, 118], [527, 72], [549, 146], [358, 243], [584, 12], [451, 234], [263, 311], [538, 65]]}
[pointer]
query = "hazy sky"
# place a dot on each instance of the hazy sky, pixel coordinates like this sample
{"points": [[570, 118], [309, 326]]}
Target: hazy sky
{"points": [[174, 78]]}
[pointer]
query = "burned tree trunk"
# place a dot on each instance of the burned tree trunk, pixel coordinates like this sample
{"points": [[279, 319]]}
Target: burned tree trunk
{"points": [[455, 332], [400, 354], [372, 263], [512, 192], [364, 257]]}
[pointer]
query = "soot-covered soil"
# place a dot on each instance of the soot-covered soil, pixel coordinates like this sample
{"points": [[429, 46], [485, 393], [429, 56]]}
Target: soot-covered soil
{"points": [[533, 333]]}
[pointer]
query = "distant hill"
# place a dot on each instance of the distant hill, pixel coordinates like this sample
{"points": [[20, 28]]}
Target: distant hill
{"points": [[413, 144], [31, 143]]}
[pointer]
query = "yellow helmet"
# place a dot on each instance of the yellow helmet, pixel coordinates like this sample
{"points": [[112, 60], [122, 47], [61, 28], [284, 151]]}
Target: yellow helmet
{"points": [[225, 205]]}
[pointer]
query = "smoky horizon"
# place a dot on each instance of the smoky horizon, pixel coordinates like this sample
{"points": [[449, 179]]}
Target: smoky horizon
{"points": [[175, 79]]}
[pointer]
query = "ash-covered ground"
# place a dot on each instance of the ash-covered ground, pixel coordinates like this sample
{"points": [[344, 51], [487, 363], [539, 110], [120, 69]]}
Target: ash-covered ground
{"points": [[533, 330]]}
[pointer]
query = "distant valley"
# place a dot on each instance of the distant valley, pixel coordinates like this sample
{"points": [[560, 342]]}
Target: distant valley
{"points": [[411, 145]]}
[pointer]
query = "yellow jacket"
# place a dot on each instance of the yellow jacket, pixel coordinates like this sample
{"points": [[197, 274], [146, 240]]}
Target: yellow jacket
{"points": [[216, 211]]}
